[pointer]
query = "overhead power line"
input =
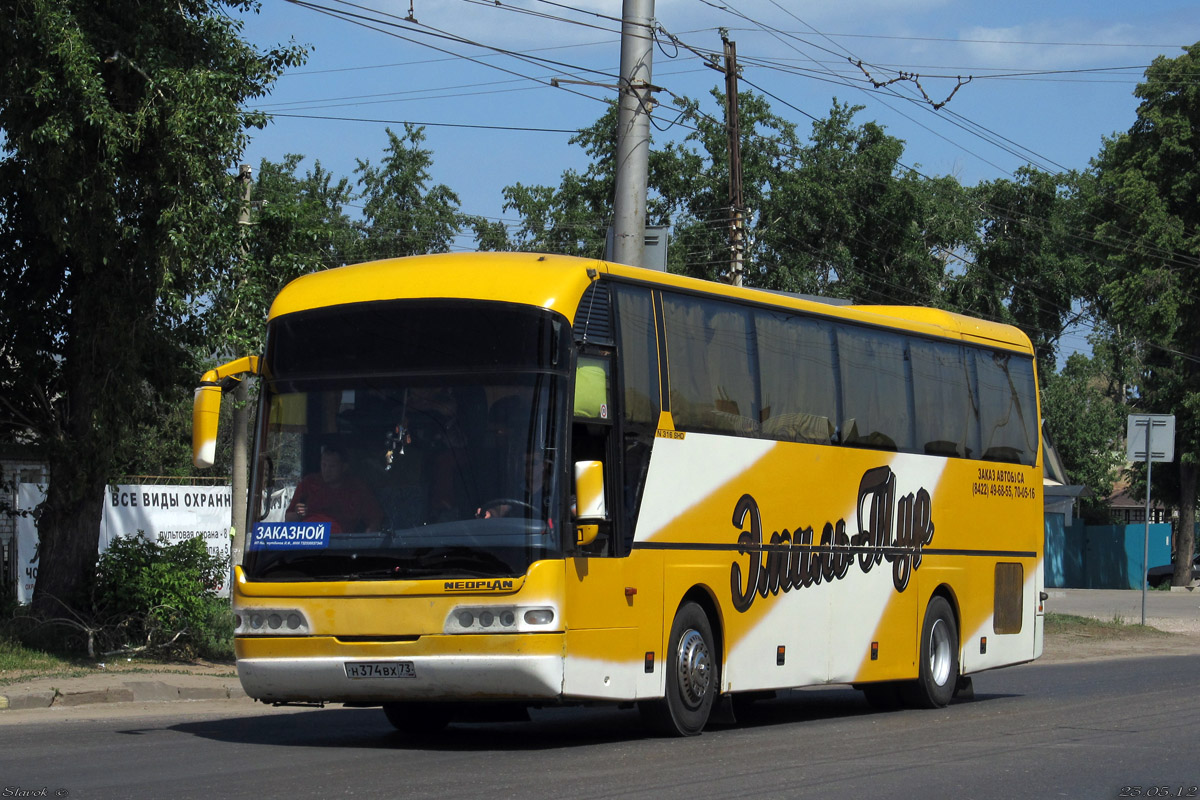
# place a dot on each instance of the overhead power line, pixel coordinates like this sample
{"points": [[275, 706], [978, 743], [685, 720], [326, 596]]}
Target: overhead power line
{"points": [[430, 124]]}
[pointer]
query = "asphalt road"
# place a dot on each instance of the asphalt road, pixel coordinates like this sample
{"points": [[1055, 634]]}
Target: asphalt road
{"points": [[1087, 730]]}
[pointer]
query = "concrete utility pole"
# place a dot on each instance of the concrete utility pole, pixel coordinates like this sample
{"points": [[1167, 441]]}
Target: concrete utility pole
{"points": [[633, 133], [241, 412]]}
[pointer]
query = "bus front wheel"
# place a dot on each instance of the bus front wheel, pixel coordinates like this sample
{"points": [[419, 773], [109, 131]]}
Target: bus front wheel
{"points": [[692, 677], [938, 676]]}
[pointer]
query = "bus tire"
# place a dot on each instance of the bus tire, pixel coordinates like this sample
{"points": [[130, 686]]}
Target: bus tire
{"points": [[419, 718], [692, 672], [938, 675]]}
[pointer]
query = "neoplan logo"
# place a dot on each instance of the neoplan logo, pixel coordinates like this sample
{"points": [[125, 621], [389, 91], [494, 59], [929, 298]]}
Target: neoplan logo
{"points": [[493, 585], [888, 529]]}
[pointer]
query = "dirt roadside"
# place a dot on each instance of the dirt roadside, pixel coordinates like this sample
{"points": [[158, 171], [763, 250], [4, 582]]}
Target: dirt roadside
{"points": [[1134, 643], [1159, 637], [120, 669]]}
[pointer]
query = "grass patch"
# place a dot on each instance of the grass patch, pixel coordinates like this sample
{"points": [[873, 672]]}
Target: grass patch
{"points": [[19, 663], [1091, 628], [16, 656]]}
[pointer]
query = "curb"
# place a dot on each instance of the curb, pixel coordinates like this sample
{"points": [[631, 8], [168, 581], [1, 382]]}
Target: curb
{"points": [[128, 692]]}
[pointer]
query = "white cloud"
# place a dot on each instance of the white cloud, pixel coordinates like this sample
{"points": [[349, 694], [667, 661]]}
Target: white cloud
{"points": [[1061, 44]]}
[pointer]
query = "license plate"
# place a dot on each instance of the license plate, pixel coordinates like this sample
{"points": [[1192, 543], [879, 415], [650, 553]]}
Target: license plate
{"points": [[380, 669]]}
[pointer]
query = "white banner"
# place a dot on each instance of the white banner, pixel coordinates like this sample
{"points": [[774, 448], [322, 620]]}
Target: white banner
{"points": [[28, 497], [168, 514]]}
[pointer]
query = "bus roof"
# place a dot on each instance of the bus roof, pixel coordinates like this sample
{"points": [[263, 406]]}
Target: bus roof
{"points": [[557, 283], [918, 319], [548, 281]]}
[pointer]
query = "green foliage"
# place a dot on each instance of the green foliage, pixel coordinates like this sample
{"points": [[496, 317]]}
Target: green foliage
{"points": [[120, 123], [835, 216], [160, 444], [298, 225], [15, 656], [403, 214], [691, 180], [572, 218], [847, 220], [162, 598], [1142, 194], [1086, 423], [1027, 267]]}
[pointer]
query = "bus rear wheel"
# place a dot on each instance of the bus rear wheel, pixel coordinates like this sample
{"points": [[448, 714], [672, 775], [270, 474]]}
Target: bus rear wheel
{"points": [[419, 718], [938, 676], [692, 677]]}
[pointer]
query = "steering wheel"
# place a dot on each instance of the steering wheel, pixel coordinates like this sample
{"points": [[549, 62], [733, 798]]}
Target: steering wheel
{"points": [[505, 501]]}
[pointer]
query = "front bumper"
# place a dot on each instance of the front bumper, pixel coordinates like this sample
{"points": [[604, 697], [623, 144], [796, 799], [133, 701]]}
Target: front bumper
{"points": [[530, 670]]}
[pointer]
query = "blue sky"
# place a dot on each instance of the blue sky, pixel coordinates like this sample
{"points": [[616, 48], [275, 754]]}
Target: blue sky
{"points": [[1048, 79]]}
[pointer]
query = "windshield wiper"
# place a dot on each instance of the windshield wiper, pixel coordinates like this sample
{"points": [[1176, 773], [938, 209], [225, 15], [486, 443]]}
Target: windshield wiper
{"points": [[314, 567], [435, 563], [383, 573], [464, 561]]}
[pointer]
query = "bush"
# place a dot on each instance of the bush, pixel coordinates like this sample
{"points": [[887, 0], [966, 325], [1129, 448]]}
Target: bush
{"points": [[212, 636], [151, 597]]}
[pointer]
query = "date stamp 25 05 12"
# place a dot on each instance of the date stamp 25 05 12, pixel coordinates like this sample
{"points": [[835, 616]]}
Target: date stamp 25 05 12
{"points": [[1159, 791]]}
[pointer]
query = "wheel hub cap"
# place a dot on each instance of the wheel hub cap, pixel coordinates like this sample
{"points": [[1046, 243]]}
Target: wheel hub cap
{"points": [[939, 653], [695, 668]]}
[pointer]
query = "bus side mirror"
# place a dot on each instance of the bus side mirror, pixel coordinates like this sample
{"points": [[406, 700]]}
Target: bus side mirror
{"points": [[206, 413], [591, 509], [206, 406]]}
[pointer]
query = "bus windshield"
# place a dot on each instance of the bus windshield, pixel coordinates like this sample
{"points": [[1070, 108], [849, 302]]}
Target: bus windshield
{"points": [[423, 437]]}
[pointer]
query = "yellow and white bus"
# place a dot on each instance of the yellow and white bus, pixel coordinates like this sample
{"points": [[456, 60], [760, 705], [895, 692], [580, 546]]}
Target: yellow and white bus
{"points": [[495, 481]]}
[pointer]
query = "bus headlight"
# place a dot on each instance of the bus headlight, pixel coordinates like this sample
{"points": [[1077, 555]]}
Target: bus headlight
{"points": [[500, 619], [270, 622], [539, 616]]}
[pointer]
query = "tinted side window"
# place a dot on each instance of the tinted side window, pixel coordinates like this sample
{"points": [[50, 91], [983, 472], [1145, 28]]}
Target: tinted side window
{"points": [[711, 365], [1007, 407], [797, 370], [947, 409], [639, 354], [876, 409], [638, 349]]}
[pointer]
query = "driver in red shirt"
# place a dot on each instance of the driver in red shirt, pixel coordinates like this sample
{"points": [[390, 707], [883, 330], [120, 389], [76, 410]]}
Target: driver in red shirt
{"points": [[334, 495]]}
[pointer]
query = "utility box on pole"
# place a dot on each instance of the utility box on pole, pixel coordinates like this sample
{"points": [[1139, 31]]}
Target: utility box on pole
{"points": [[654, 253]]}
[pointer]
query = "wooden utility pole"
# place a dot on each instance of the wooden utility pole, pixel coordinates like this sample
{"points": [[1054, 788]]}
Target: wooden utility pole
{"points": [[241, 411], [737, 212]]}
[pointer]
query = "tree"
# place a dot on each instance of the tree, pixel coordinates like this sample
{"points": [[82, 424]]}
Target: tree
{"points": [[1027, 266], [299, 225], [691, 179], [402, 214], [572, 218], [121, 121], [1144, 197], [849, 220], [1087, 424], [838, 215]]}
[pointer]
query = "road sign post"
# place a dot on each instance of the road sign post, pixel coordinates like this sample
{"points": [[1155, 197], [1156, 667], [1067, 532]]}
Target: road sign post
{"points": [[1149, 438]]}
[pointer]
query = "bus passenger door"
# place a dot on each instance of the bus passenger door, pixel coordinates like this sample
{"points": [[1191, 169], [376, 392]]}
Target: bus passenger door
{"points": [[608, 593]]}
